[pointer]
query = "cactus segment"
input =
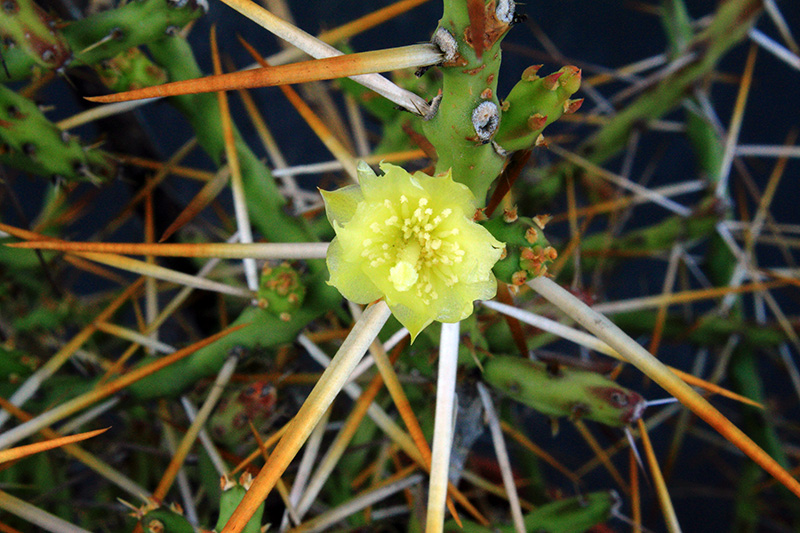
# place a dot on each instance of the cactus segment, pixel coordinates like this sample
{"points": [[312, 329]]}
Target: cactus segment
{"points": [[468, 115], [564, 391], [32, 143], [570, 515], [28, 43], [534, 103], [527, 254], [109, 33]]}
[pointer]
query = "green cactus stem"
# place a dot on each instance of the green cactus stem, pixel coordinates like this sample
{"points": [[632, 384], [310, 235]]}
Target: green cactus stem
{"points": [[30, 142], [466, 117], [266, 210], [561, 391], [709, 331], [106, 34], [29, 44], [657, 238], [15, 366], [746, 379], [570, 515], [729, 26]]}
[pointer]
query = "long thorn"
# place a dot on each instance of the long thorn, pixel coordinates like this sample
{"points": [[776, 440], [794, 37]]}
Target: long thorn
{"points": [[330, 383], [658, 372], [443, 427]]}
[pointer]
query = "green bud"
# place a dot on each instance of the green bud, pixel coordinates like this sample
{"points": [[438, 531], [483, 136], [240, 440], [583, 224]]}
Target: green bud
{"points": [[280, 291], [528, 253], [254, 402]]}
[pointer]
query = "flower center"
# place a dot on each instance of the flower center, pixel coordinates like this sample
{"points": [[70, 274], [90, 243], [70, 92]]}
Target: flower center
{"points": [[417, 244]]}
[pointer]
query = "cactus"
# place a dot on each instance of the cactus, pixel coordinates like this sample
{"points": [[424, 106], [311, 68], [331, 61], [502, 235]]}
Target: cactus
{"points": [[264, 329], [534, 103], [471, 133], [155, 518], [570, 515], [29, 43], [32, 143], [165, 520], [466, 115], [561, 391], [15, 366], [265, 203], [107, 34], [232, 494]]}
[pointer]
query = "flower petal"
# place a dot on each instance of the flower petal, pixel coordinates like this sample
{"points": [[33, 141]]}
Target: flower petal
{"points": [[340, 205], [348, 278]]}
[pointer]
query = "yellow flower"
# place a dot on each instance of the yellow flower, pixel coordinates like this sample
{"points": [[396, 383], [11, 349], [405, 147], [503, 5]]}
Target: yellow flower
{"points": [[412, 241]]}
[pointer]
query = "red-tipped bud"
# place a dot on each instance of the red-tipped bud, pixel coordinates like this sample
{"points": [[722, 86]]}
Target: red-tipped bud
{"points": [[551, 82], [571, 80], [537, 121], [529, 74], [540, 142], [570, 106]]}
